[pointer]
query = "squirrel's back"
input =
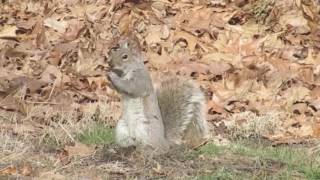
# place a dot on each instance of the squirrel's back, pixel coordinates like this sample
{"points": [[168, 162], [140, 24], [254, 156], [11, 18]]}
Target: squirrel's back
{"points": [[183, 110]]}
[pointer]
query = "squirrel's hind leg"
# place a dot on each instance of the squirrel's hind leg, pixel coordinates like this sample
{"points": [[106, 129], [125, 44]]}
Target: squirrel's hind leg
{"points": [[123, 137]]}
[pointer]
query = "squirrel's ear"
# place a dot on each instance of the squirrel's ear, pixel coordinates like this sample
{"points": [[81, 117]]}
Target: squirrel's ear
{"points": [[129, 43], [126, 44]]}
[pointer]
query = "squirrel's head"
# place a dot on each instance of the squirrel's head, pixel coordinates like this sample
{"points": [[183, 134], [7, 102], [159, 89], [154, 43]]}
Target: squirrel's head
{"points": [[124, 54]]}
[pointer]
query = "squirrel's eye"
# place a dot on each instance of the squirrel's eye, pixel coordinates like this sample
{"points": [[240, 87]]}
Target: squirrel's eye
{"points": [[124, 57]]}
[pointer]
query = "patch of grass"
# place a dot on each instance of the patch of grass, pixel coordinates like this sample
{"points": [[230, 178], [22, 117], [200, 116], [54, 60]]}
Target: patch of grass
{"points": [[311, 173], [50, 141], [225, 174], [221, 173], [208, 149], [97, 134], [211, 149], [261, 10], [283, 162]]}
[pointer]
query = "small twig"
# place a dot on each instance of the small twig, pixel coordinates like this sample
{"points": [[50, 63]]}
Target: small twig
{"points": [[46, 102], [201, 144], [53, 87], [66, 132]]}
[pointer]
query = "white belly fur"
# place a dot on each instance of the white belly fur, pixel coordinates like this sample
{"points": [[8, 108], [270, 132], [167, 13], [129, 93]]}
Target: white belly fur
{"points": [[132, 123]]}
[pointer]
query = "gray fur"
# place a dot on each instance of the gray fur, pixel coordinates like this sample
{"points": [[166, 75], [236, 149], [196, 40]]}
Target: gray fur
{"points": [[132, 83], [182, 104], [140, 122]]}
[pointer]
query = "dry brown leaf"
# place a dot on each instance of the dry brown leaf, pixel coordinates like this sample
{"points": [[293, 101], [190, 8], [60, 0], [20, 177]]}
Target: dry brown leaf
{"points": [[74, 29], [28, 25], [188, 68], [300, 108], [52, 175], [8, 32], [296, 20], [94, 13], [306, 130], [124, 24], [51, 74], [305, 73], [315, 93], [77, 10], [115, 4], [190, 39], [160, 9], [7, 171], [214, 108], [218, 57], [16, 52], [63, 157], [159, 61], [296, 94], [200, 20], [80, 149], [97, 81], [53, 23], [154, 35], [165, 32], [11, 103], [26, 169], [316, 130], [308, 12]]}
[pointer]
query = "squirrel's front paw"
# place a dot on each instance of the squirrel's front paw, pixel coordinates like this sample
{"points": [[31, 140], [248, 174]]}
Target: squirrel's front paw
{"points": [[112, 76]]}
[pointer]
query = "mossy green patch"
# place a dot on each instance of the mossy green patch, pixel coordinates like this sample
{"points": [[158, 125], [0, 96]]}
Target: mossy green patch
{"points": [[97, 134]]}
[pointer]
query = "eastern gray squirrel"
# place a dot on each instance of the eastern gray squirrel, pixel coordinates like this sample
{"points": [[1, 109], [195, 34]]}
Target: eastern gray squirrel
{"points": [[173, 114]]}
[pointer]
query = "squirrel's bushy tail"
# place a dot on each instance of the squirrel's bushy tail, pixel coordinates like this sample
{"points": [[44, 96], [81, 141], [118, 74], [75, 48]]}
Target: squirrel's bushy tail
{"points": [[183, 110]]}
